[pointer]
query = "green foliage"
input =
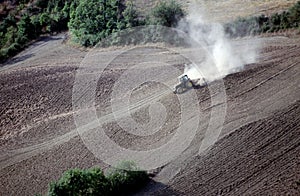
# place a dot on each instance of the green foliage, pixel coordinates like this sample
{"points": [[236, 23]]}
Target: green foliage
{"points": [[94, 20], [44, 19], [294, 15], [261, 24], [166, 13], [130, 15], [37, 27], [90, 21], [144, 35], [25, 30], [9, 21], [8, 37], [243, 26], [124, 179], [56, 15], [28, 21], [81, 182], [41, 4]]}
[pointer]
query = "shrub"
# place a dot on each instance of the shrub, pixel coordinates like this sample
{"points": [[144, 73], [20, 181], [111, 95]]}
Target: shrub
{"points": [[284, 20], [127, 178], [25, 29], [130, 15], [242, 27], [55, 15], [123, 179], [89, 25], [3, 55], [94, 20], [81, 182], [294, 15], [261, 24], [44, 20], [41, 3], [8, 37], [37, 17], [9, 21], [166, 13], [13, 49]]}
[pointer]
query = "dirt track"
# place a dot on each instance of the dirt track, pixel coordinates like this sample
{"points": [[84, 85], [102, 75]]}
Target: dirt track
{"points": [[258, 152]]}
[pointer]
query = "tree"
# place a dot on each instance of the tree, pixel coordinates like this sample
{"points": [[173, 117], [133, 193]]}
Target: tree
{"points": [[81, 182], [295, 15], [130, 15], [25, 30], [126, 178], [45, 21], [94, 20], [167, 14]]}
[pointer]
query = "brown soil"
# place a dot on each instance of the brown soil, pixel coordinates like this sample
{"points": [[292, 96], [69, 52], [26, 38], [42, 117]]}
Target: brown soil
{"points": [[257, 153]]}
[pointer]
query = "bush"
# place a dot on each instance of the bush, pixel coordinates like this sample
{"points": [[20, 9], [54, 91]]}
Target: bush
{"points": [[294, 15], [127, 178], [123, 179], [262, 24], [55, 15], [41, 4], [26, 30], [27, 21], [243, 26], [166, 14], [45, 20], [9, 37], [81, 182], [3, 55], [94, 20], [9, 21], [130, 15]]}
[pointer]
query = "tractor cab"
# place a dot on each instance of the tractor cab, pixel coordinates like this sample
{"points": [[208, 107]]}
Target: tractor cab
{"points": [[184, 79], [184, 84]]}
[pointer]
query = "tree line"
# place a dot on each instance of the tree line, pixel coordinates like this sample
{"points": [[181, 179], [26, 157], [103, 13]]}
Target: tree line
{"points": [[91, 21], [88, 21]]}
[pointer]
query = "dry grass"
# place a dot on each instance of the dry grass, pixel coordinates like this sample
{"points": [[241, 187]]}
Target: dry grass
{"points": [[225, 10]]}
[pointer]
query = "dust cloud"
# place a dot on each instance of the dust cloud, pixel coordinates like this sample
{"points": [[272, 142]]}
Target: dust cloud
{"points": [[220, 55]]}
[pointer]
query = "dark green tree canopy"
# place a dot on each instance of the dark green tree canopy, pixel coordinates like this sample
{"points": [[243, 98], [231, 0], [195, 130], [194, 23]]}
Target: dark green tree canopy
{"points": [[167, 13], [94, 20], [123, 180]]}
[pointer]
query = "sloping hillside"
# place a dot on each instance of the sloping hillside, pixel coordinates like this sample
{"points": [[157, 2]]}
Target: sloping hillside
{"points": [[261, 158], [257, 152], [39, 136]]}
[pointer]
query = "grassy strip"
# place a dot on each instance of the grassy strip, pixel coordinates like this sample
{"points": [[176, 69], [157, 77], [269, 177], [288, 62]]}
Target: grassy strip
{"points": [[265, 24]]}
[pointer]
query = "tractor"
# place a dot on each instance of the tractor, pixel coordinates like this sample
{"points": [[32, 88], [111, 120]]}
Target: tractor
{"points": [[185, 83]]}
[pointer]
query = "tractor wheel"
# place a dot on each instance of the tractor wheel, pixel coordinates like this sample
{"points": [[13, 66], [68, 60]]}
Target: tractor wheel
{"points": [[189, 85], [179, 90]]}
